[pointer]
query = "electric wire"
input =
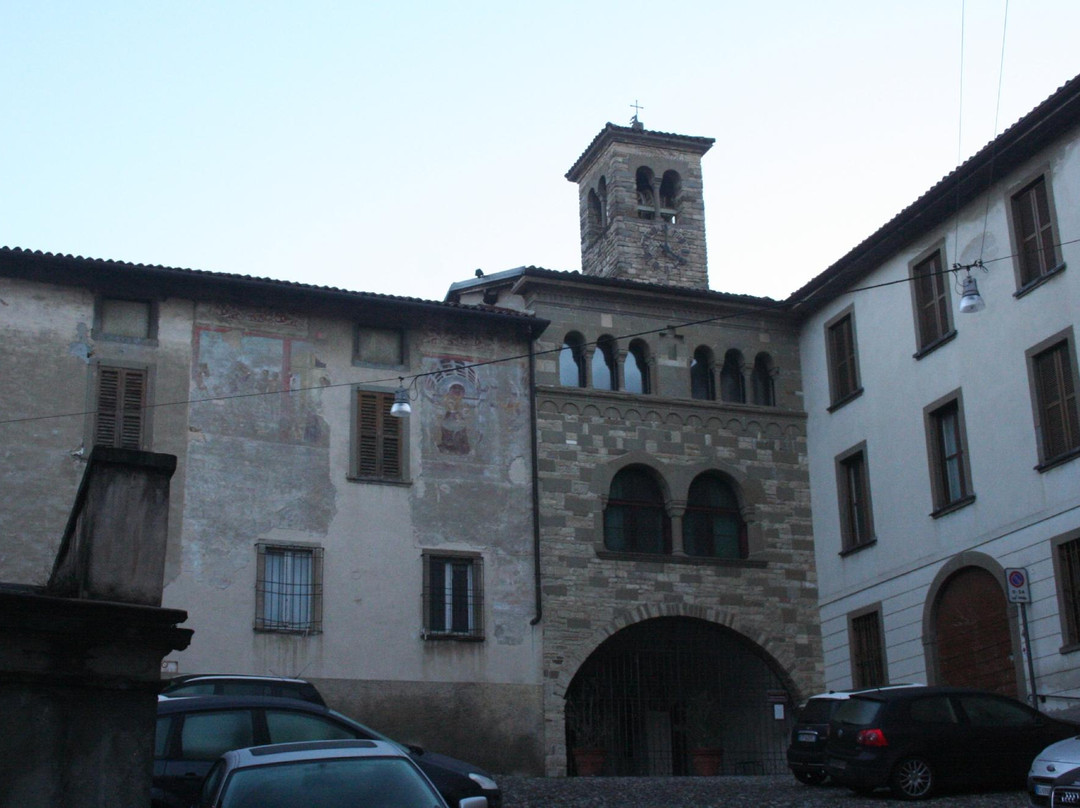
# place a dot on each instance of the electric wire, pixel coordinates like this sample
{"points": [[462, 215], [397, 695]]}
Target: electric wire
{"points": [[414, 377]]}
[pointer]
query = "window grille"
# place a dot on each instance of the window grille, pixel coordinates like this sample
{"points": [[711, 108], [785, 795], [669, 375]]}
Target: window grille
{"points": [[288, 590], [453, 597]]}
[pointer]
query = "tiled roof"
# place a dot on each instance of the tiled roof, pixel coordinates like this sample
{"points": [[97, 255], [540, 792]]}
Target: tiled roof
{"points": [[628, 134]]}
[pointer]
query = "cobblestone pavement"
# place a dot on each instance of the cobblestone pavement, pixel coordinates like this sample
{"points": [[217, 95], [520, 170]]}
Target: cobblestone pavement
{"points": [[779, 791]]}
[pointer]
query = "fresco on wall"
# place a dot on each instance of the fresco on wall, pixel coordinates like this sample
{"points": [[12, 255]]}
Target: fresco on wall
{"points": [[478, 412], [267, 386]]}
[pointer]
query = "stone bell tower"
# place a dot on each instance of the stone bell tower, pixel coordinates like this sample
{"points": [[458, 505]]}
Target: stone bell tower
{"points": [[641, 208]]}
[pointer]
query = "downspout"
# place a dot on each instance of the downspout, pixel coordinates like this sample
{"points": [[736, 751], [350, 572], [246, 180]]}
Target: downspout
{"points": [[535, 487]]}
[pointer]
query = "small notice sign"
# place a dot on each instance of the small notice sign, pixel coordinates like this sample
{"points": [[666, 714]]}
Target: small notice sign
{"points": [[1016, 585]]}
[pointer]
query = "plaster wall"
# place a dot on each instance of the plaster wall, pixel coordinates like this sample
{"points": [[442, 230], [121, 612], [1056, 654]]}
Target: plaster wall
{"points": [[1018, 509]]}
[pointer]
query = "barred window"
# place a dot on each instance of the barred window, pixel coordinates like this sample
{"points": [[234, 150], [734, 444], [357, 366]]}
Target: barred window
{"points": [[288, 589], [867, 651], [453, 596], [1068, 558]]}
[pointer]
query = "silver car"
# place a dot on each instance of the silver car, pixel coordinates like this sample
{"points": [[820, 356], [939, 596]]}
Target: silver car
{"points": [[329, 774]]}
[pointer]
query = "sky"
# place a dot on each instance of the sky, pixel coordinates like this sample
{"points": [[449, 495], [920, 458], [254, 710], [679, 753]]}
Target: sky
{"points": [[396, 147]]}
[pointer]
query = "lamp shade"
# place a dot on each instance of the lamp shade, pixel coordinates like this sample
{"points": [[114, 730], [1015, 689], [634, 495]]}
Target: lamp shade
{"points": [[970, 299], [401, 407]]}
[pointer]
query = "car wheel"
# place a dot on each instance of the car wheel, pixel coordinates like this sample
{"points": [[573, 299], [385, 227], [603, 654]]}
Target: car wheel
{"points": [[810, 778], [912, 778]]}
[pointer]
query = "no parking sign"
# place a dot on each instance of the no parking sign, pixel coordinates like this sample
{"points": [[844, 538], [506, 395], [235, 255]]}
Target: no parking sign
{"points": [[1016, 584]]}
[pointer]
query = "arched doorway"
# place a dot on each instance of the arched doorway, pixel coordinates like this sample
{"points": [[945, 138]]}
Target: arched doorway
{"points": [[655, 691], [974, 642]]}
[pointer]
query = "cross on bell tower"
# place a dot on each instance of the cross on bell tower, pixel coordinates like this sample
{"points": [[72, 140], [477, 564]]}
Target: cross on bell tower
{"points": [[640, 205]]}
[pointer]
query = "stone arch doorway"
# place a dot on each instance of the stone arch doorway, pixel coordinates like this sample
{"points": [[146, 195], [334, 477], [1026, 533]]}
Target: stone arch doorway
{"points": [[654, 692], [973, 634]]}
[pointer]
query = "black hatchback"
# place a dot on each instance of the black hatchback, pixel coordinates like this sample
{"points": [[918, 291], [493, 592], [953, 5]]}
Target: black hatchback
{"points": [[195, 731], [916, 740]]}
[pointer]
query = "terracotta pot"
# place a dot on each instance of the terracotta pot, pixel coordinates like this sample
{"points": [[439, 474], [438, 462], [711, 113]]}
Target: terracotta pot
{"points": [[589, 762], [706, 762]]}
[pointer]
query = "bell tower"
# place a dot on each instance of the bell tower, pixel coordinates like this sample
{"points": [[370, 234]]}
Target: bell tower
{"points": [[641, 207]]}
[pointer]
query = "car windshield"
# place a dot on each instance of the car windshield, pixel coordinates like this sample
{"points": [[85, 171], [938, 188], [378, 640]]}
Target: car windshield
{"points": [[368, 782], [817, 711], [858, 711]]}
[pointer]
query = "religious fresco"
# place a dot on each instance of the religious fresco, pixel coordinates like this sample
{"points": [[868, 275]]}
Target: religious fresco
{"points": [[266, 386], [470, 403]]}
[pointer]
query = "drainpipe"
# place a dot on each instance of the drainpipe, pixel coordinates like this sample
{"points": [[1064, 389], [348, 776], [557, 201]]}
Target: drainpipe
{"points": [[535, 487]]}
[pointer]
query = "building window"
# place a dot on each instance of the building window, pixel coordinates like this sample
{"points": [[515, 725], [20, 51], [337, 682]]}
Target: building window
{"points": [[732, 383], [1034, 232], [950, 476], [713, 526], [572, 361], [636, 369], [867, 650], [378, 438], [670, 188], [121, 407], [288, 589], [379, 346], [453, 596], [635, 520], [702, 385], [933, 315], [853, 487], [762, 381], [593, 226], [1067, 556], [1053, 381], [604, 374], [129, 320], [646, 198], [842, 358]]}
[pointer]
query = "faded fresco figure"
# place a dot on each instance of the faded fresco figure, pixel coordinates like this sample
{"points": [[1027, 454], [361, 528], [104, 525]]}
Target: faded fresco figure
{"points": [[453, 434]]}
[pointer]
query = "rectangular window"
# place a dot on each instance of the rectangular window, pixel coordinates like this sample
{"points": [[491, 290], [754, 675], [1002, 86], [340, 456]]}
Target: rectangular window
{"points": [[1054, 391], [867, 650], [121, 407], [453, 596], [288, 589], [378, 439], [842, 358], [853, 485], [1034, 232], [950, 478], [932, 309], [1068, 580]]}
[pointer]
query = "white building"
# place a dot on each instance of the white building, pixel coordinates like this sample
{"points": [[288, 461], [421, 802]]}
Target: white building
{"points": [[944, 446]]}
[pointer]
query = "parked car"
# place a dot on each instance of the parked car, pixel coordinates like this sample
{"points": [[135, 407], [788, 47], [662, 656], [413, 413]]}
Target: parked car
{"points": [[192, 733], [916, 740], [1050, 765], [328, 774], [806, 752], [219, 684]]}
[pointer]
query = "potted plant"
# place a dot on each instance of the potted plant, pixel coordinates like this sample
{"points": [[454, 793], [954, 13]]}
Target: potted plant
{"points": [[704, 733]]}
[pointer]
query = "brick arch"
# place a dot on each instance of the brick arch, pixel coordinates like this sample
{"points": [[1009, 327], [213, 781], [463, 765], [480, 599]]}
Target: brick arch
{"points": [[781, 657]]}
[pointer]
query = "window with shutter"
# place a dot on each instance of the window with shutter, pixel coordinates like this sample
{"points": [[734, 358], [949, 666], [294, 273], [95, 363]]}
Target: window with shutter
{"points": [[453, 596], [1055, 397], [932, 314], [378, 441], [842, 359], [121, 407], [1034, 231]]}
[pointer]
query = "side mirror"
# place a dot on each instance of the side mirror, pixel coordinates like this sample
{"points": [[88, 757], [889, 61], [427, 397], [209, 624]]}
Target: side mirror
{"points": [[473, 802]]}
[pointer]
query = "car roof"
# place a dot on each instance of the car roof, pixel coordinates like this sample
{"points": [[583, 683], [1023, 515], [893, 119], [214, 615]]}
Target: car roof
{"points": [[897, 693], [183, 704], [232, 677], [835, 695], [309, 750]]}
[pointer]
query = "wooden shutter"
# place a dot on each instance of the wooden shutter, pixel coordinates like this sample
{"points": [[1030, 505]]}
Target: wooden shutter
{"points": [[1057, 401], [1031, 209], [121, 407], [378, 436]]}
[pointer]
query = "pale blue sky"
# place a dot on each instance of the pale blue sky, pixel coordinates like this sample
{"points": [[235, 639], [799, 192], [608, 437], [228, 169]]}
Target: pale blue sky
{"points": [[397, 147]]}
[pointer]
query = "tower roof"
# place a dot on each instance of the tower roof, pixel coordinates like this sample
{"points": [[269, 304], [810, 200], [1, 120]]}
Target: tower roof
{"points": [[638, 137]]}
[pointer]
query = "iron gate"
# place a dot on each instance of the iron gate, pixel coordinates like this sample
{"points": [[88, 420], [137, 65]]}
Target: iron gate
{"points": [[653, 692]]}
